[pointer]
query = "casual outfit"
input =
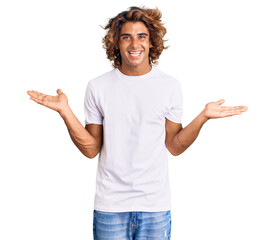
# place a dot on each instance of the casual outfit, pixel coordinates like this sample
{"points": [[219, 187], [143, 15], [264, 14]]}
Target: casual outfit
{"points": [[132, 173], [132, 225]]}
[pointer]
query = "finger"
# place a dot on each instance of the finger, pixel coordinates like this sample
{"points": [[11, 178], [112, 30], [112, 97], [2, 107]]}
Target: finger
{"points": [[241, 108], [30, 93], [221, 101], [231, 113], [36, 94], [244, 108], [59, 91], [37, 100], [225, 108]]}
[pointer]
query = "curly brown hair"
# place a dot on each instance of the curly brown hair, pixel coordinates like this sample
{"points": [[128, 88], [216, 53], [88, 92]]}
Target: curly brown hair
{"points": [[152, 20]]}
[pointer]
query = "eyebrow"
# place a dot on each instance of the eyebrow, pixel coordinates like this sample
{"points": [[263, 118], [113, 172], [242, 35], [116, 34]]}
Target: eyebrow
{"points": [[127, 34]]}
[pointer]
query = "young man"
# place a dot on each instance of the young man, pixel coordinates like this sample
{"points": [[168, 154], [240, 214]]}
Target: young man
{"points": [[139, 108]]}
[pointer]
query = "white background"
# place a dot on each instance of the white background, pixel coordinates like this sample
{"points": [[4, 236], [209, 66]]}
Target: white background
{"points": [[222, 186]]}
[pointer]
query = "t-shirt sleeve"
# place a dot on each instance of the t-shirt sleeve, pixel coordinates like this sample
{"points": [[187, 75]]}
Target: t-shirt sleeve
{"points": [[91, 111], [174, 112]]}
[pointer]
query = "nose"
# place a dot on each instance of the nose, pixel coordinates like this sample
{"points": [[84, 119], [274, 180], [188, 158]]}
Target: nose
{"points": [[135, 43]]}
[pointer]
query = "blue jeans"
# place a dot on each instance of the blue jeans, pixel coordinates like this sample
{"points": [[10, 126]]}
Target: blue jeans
{"points": [[132, 225]]}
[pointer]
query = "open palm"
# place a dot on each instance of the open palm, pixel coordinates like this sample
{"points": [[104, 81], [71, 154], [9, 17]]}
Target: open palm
{"points": [[215, 110], [57, 103]]}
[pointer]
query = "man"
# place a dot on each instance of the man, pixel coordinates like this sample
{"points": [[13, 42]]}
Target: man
{"points": [[133, 115]]}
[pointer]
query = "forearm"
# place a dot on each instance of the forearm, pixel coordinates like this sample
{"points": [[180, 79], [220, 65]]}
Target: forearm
{"points": [[188, 135], [83, 140]]}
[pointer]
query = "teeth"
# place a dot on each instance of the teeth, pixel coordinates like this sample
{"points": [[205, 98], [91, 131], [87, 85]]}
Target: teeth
{"points": [[135, 53]]}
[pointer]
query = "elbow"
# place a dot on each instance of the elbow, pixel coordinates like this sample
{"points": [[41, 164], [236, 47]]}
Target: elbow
{"points": [[172, 150], [92, 154], [175, 148], [175, 153], [88, 155]]}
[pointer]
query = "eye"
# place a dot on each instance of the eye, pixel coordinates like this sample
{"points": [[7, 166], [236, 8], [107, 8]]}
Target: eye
{"points": [[125, 37]]}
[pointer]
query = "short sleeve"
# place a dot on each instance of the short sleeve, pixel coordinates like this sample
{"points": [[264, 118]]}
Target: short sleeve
{"points": [[174, 112], [91, 111]]}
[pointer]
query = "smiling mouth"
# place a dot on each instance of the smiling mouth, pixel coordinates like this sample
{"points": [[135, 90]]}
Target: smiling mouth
{"points": [[135, 53]]}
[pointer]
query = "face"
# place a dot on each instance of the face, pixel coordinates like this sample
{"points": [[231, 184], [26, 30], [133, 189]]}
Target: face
{"points": [[134, 45]]}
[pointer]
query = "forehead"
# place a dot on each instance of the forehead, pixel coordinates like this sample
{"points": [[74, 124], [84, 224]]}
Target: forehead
{"points": [[133, 27]]}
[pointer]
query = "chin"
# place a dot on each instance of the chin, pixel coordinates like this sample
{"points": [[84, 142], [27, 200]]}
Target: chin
{"points": [[133, 64]]}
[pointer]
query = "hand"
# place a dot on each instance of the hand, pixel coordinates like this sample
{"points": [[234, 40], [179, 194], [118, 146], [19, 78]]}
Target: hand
{"points": [[57, 103], [215, 110]]}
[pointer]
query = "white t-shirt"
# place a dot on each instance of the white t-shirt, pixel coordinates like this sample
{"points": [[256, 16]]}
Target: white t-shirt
{"points": [[132, 170]]}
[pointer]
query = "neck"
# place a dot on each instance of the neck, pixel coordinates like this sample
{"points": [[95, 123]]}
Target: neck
{"points": [[135, 71]]}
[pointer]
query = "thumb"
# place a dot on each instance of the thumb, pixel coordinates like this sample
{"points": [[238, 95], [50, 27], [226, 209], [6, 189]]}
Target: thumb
{"points": [[221, 101], [59, 91]]}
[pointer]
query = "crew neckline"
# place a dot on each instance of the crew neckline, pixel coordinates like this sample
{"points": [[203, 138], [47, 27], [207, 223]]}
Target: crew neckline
{"points": [[140, 77]]}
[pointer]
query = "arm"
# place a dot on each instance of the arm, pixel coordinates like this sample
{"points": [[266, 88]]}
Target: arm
{"points": [[185, 135], [89, 140], [179, 139]]}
